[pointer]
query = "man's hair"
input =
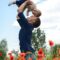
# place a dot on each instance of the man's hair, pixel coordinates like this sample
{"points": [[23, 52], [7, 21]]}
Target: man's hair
{"points": [[37, 23]]}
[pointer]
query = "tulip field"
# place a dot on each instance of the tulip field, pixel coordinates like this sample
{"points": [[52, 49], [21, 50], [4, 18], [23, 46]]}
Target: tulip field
{"points": [[41, 54]]}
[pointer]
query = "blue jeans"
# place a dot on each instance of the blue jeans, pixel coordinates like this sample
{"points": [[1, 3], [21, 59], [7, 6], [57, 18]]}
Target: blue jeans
{"points": [[32, 56], [19, 2]]}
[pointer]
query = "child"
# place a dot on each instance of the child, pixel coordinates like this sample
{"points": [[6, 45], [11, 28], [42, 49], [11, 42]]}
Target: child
{"points": [[30, 6]]}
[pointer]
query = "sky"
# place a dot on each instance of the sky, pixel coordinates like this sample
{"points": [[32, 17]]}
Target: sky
{"points": [[50, 21]]}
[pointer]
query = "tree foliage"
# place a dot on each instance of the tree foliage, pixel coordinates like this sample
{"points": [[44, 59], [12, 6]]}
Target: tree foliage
{"points": [[3, 45], [38, 39], [3, 54], [55, 50], [3, 49]]}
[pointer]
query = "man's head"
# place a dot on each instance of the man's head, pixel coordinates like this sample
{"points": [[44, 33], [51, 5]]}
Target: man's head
{"points": [[35, 21], [36, 12]]}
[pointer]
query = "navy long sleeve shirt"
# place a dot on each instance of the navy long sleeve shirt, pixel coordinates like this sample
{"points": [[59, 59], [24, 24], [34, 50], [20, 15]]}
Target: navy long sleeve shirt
{"points": [[25, 33]]}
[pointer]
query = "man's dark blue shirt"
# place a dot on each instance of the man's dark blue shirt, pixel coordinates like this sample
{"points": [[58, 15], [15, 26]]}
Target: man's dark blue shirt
{"points": [[25, 33]]}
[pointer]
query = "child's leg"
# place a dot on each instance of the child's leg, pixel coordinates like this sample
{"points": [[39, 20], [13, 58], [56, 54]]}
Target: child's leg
{"points": [[19, 2]]}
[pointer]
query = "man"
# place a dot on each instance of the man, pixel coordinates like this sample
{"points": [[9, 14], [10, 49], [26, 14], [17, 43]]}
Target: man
{"points": [[27, 26]]}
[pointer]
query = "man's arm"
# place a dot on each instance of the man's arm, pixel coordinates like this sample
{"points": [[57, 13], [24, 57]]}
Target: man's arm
{"points": [[21, 9]]}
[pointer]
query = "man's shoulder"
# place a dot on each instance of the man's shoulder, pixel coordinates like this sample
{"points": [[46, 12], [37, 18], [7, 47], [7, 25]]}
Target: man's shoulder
{"points": [[20, 14]]}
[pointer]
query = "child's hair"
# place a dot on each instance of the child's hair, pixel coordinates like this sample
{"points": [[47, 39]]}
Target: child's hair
{"points": [[37, 23], [36, 12]]}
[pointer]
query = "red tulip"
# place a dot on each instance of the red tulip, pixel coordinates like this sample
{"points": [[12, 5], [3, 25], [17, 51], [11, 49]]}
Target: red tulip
{"points": [[23, 54], [41, 54], [9, 53], [40, 51], [51, 43], [30, 58], [40, 58], [11, 57], [0, 54]]}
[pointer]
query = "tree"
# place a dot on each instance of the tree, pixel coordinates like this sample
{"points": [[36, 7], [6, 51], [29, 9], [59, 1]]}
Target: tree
{"points": [[3, 49], [55, 50], [38, 39], [2, 54], [3, 45]]}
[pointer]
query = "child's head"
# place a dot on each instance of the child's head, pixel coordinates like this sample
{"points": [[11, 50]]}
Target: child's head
{"points": [[36, 12], [35, 21]]}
